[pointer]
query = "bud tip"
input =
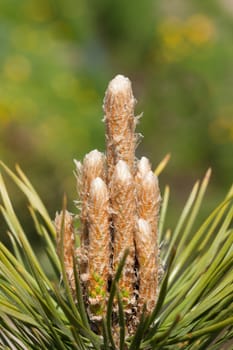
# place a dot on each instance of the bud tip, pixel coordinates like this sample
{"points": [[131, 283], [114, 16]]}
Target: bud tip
{"points": [[119, 83]]}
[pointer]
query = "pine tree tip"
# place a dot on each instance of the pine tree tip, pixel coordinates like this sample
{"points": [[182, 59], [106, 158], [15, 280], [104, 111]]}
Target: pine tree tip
{"points": [[93, 156], [119, 84], [122, 171], [98, 187], [144, 166], [151, 178], [144, 230]]}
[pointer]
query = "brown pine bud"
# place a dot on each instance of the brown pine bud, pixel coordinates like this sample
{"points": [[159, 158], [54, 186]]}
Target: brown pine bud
{"points": [[93, 166], [143, 167], [146, 235], [146, 250], [68, 244], [99, 247], [123, 203], [119, 105], [148, 195]]}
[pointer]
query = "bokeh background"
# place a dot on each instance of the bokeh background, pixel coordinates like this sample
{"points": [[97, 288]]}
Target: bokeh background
{"points": [[56, 59]]}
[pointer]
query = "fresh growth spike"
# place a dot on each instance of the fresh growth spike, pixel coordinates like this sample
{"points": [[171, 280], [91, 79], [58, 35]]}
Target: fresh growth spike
{"points": [[99, 247], [119, 105], [146, 251], [122, 194], [119, 206]]}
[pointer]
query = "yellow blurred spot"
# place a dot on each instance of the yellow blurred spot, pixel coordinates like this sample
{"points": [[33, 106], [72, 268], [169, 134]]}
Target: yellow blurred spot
{"points": [[181, 38], [174, 46], [17, 68], [171, 32], [199, 29]]}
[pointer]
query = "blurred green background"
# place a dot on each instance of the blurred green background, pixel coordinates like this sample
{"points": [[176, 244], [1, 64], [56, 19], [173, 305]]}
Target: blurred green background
{"points": [[56, 59]]}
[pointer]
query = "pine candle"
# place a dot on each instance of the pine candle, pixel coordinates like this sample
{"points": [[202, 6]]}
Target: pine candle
{"points": [[119, 202]]}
